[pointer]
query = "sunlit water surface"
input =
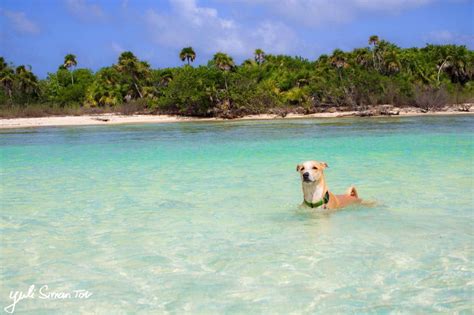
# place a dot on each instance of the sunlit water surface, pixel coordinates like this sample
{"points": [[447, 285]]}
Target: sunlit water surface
{"points": [[204, 217]]}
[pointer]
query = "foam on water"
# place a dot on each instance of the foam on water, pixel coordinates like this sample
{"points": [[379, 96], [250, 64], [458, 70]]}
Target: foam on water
{"points": [[205, 217]]}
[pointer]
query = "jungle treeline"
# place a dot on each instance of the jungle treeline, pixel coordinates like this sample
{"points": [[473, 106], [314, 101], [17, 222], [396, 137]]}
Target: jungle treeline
{"points": [[381, 73]]}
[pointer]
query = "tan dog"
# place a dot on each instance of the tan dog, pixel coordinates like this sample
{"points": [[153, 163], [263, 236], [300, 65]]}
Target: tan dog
{"points": [[315, 190]]}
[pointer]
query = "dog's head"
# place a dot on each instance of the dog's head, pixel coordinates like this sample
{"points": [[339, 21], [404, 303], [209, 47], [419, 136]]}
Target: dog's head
{"points": [[311, 171]]}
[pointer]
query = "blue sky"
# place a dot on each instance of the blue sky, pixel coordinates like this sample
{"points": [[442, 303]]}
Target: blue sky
{"points": [[41, 32]]}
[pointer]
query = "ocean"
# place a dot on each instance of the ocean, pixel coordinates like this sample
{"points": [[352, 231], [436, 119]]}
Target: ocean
{"points": [[205, 217]]}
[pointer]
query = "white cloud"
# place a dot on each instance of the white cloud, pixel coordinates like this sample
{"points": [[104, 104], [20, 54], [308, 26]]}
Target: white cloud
{"points": [[275, 38], [116, 48], [313, 12], [317, 12], [441, 36], [197, 15], [208, 32], [447, 37], [84, 10], [389, 5], [20, 22]]}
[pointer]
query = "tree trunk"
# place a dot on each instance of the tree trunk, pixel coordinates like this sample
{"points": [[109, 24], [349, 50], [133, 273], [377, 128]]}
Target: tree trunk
{"points": [[441, 68], [227, 90], [379, 62], [138, 90], [373, 59], [226, 87]]}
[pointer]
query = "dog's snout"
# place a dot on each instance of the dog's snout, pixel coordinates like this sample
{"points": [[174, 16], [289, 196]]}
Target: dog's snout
{"points": [[306, 175]]}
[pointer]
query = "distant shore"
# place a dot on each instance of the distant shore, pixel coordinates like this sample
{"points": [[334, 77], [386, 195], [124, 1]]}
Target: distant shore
{"points": [[115, 119]]}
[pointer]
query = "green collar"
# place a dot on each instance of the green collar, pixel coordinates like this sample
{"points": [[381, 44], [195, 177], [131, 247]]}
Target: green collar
{"points": [[321, 202]]}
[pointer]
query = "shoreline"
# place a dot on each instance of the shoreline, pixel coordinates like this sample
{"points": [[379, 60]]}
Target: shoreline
{"points": [[117, 119]]}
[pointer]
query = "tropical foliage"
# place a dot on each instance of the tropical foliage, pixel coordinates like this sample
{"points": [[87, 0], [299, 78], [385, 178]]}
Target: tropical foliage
{"points": [[381, 73], [69, 62], [187, 54]]}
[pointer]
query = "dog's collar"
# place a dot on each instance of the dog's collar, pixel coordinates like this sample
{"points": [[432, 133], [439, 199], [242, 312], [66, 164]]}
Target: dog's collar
{"points": [[321, 202]]}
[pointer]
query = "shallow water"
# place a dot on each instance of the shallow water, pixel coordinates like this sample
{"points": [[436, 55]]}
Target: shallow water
{"points": [[205, 217]]}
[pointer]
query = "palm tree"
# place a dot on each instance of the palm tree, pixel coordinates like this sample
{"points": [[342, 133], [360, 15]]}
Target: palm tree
{"points": [[374, 40], [339, 60], [322, 59], [259, 56], [26, 80], [106, 88], [3, 64], [137, 70], [443, 58], [459, 67], [69, 62], [391, 62], [187, 54], [165, 77], [225, 63], [7, 77], [387, 55], [249, 63], [362, 56]]}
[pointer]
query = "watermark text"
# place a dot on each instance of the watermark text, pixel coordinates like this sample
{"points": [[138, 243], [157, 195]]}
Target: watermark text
{"points": [[44, 293]]}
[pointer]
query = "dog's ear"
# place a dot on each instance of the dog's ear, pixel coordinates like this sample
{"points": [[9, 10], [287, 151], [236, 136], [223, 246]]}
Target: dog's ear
{"points": [[298, 167], [324, 165]]}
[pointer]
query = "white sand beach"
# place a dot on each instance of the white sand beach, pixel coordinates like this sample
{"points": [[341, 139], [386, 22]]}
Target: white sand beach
{"points": [[114, 119]]}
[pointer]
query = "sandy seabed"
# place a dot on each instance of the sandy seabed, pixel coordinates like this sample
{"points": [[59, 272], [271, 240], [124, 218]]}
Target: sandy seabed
{"points": [[114, 119]]}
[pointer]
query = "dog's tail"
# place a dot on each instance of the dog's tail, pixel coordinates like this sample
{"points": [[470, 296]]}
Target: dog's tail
{"points": [[352, 191]]}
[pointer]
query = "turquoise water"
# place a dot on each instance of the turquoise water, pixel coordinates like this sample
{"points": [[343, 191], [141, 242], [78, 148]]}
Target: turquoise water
{"points": [[204, 217]]}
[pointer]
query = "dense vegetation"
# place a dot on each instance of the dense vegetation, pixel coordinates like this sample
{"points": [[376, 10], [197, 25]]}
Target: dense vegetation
{"points": [[381, 73]]}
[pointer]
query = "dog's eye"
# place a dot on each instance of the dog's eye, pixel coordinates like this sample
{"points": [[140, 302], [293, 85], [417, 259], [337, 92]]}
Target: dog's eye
{"points": [[315, 168], [302, 169]]}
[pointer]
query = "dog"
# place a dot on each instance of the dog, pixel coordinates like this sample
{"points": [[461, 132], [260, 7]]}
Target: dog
{"points": [[315, 191]]}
